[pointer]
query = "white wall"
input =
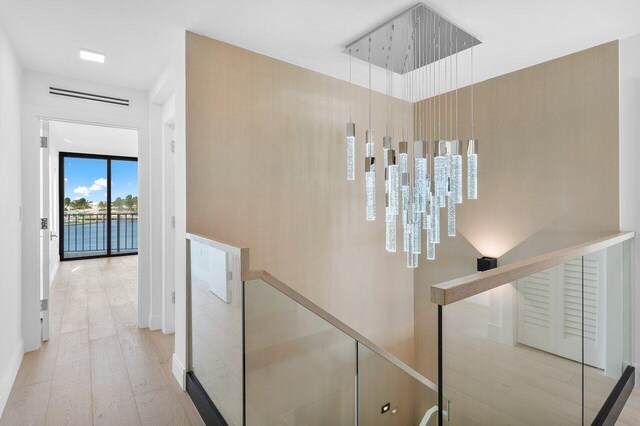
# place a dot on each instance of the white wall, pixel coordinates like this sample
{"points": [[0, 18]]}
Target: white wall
{"points": [[162, 127], [37, 103], [629, 182], [180, 355], [167, 123], [11, 346]]}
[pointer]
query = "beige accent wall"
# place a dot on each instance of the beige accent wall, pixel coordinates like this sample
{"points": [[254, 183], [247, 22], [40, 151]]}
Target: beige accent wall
{"points": [[266, 170], [548, 172]]}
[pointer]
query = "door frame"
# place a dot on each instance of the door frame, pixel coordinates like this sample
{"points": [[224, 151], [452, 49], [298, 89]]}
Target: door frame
{"points": [[45, 227], [61, 194], [37, 106]]}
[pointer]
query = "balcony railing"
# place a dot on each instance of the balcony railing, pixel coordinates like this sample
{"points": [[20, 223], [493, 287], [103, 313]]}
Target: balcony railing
{"points": [[86, 234]]}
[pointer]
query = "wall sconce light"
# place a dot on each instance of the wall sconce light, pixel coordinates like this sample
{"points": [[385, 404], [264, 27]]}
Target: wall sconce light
{"points": [[485, 263]]}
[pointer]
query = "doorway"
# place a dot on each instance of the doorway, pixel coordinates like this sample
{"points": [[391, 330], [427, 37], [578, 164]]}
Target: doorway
{"points": [[98, 202]]}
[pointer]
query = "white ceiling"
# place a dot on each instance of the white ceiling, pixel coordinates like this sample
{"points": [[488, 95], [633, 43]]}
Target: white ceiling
{"points": [[89, 139], [138, 36]]}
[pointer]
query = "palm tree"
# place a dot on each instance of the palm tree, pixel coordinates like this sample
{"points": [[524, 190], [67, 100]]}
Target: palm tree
{"points": [[80, 204], [128, 202], [118, 203]]}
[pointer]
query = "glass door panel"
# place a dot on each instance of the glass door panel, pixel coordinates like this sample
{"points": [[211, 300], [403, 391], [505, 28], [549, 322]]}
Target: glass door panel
{"points": [[99, 206], [84, 207], [124, 206]]}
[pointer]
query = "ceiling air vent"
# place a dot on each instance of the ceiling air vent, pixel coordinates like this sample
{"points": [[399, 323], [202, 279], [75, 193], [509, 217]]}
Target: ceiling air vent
{"points": [[88, 96]]}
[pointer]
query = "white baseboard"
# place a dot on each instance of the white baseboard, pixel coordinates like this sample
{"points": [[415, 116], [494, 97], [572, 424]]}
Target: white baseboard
{"points": [[155, 322], [10, 374], [56, 264], [179, 372], [637, 367]]}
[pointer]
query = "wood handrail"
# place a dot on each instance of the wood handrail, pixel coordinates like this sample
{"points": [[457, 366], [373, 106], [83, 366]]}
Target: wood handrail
{"points": [[285, 290], [458, 289]]}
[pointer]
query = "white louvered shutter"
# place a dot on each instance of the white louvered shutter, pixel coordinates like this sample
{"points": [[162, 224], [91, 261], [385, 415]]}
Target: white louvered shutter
{"points": [[550, 310], [536, 310], [570, 338]]}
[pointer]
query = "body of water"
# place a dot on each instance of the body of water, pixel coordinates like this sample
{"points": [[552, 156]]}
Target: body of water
{"points": [[92, 236]]}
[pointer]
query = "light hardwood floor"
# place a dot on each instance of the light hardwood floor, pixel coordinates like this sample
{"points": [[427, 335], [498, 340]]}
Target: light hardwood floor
{"points": [[630, 415], [98, 367], [492, 383]]}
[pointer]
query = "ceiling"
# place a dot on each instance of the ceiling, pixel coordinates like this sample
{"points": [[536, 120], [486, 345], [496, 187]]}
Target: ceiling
{"points": [[89, 139], [138, 36]]}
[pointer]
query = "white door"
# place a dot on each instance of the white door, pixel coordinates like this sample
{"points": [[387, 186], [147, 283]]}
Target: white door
{"points": [[45, 228], [550, 310]]}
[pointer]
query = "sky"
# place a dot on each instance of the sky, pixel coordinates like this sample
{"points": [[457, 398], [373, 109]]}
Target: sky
{"points": [[87, 177]]}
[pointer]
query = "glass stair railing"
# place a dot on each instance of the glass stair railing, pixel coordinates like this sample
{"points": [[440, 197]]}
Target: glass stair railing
{"points": [[279, 359], [543, 341]]}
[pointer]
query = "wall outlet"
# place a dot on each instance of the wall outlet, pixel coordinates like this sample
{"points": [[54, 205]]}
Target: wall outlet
{"points": [[386, 407]]}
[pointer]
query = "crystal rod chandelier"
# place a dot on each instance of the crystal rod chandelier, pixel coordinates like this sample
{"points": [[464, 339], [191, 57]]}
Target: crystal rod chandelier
{"points": [[420, 49]]}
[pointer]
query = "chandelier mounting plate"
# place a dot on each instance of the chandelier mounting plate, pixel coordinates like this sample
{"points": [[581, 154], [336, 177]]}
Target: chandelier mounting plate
{"points": [[412, 39]]}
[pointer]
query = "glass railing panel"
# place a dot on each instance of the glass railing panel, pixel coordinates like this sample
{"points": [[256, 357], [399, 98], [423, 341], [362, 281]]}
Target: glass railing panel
{"points": [[513, 354], [389, 396], [216, 334], [300, 370], [607, 335]]}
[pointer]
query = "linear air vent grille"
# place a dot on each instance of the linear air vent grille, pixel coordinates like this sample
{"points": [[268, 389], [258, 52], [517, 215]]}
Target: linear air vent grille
{"points": [[88, 96]]}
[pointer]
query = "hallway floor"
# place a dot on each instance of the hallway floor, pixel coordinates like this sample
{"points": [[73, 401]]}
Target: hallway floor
{"points": [[98, 367]]}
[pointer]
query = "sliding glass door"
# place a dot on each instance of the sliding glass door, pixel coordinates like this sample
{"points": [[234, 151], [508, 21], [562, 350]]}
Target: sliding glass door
{"points": [[99, 206], [124, 206]]}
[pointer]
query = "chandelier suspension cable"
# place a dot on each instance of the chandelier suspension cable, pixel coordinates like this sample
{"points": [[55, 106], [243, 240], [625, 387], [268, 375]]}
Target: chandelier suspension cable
{"points": [[457, 135], [439, 44], [472, 85], [386, 100], [414, 81], [370, 124], [451, 82], [370, 169], [420, 121], [391, 118], [405, 82], [415, 96], [426, 79], [433, 78], [410, 75], [351, 87], [446, 83], [423, 29], [418, 82]]}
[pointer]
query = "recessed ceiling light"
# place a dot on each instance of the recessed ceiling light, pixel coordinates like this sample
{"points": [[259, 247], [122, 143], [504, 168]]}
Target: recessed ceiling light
{"points": [[88, 55]]}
